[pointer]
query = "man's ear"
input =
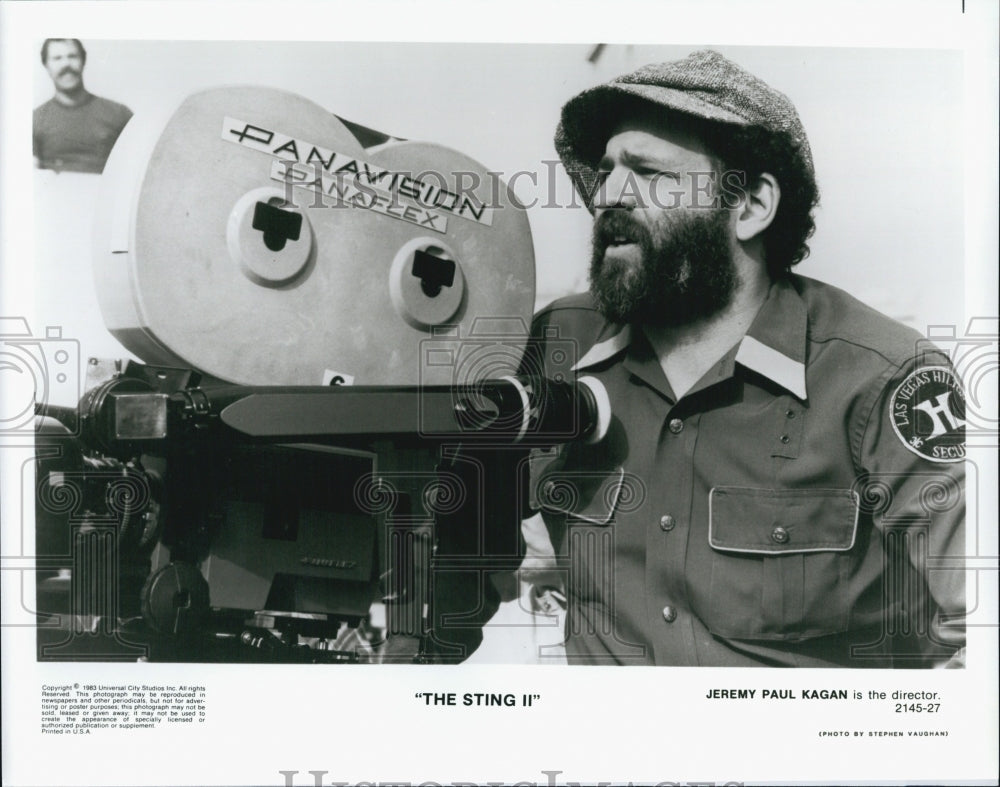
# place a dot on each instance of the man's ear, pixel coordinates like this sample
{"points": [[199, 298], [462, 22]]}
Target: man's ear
{"points": [[759, 207]]}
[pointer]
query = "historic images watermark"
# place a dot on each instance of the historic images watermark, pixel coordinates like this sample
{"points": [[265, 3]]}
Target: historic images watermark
{"points": [[295, 778], [430, 198]]}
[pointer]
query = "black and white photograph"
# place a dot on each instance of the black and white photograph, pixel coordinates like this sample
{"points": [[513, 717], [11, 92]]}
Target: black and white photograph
{"points": [[372, 400]]}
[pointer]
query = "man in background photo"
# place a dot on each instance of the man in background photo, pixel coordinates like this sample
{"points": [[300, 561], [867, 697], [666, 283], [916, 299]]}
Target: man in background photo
{"points": [[74, 131]]}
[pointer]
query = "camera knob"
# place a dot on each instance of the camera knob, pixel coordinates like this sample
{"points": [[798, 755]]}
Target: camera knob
{"points": [[269, 238], [426, 284]]}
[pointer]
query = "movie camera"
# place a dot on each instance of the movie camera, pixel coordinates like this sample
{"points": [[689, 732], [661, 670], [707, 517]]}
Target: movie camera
{"points": [[323, 453]]}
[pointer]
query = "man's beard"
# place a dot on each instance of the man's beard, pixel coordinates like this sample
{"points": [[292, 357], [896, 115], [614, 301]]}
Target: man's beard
{"points": [[685, 272]]}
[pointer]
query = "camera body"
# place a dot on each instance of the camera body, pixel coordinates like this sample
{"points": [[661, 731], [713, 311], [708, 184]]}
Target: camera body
{"points": [[331, 417]]}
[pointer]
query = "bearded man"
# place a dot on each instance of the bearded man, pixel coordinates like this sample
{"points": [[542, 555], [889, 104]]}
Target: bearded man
{"points": [[782, 480]]}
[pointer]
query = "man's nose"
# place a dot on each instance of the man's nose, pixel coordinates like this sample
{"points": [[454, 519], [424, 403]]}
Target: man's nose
{"points": [[616, 190]]}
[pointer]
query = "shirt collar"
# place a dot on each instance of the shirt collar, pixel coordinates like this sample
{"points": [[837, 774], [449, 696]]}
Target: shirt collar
{"points": [[774, 346], [613, 339]]}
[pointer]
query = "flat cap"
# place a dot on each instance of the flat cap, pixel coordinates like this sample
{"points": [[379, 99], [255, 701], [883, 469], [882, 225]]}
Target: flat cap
{"points": [[704, 85]]}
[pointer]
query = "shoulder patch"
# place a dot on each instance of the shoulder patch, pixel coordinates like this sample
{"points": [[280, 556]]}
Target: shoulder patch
{"points": [[928, 414]]}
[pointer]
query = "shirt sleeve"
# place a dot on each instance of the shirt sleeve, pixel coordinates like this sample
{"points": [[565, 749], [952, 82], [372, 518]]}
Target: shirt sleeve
{"points": [[125, 115], [912, 454], [36, 142]]}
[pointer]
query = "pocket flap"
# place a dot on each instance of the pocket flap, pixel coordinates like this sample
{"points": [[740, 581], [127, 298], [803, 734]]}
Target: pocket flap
{"points": [[583, 496], [782, 521]]}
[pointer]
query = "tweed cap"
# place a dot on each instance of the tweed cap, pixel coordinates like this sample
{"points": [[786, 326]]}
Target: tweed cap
{"points": [[704, 85]]}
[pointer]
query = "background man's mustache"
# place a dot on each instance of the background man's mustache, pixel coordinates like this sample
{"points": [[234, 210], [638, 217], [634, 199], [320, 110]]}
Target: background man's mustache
{"points": [[69, 70]]}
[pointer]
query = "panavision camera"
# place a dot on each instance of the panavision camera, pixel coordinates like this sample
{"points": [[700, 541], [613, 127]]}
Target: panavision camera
{"points": [[321, 456]]}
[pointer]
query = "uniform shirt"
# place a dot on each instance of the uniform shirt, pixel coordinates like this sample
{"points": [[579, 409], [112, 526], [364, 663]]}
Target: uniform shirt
{"points": [[801, 505], [77, 138]]}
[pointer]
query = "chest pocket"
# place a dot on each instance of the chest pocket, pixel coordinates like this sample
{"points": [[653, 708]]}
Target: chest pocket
{"points": [[780, 562], [586, 497], [587, 484]]}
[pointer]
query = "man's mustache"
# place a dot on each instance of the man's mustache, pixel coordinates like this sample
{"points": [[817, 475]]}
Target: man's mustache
{"points": [[618, 224], [69, 70]]}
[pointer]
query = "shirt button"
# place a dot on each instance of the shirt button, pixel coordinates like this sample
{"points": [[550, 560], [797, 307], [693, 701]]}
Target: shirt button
{"points": [[667, 522], [789, 413], [779, 535], [784, 438], [675, 425], [669, 614]]}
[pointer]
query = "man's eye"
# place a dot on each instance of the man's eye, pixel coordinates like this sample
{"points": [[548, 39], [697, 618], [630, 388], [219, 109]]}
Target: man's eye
{"points": [[651, 172]]}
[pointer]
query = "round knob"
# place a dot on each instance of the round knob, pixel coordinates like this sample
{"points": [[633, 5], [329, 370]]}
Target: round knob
{"points": [[269, 238], [426, 284]]}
